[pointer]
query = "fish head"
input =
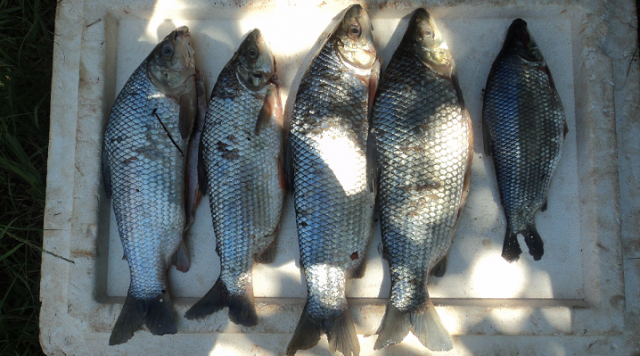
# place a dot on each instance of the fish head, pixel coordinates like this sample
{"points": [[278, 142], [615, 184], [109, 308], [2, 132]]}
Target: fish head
{"points": [[520, 42], [256, 65], [171, 63], [427, 42], [354, 38]]}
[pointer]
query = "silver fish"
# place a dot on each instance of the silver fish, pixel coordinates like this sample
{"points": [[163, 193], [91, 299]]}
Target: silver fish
{"points": [[524, 128], [242, 160], [333, 192], [422, 133], [144, 173]]}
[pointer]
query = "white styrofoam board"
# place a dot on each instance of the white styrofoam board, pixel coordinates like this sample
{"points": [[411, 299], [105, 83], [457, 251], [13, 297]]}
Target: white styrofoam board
{"points": [[567, 293]]}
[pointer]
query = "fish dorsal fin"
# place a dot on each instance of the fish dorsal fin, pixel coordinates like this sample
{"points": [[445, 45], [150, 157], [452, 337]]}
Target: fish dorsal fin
{"points": [[106, 172], [187, 116]]}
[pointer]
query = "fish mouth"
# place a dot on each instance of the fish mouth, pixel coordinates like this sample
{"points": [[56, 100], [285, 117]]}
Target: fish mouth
{"points": [[181, 32]]}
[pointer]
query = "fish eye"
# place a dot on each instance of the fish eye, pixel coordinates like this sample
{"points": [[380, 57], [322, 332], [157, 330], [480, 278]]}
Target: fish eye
{"points": [[252, 53], [354, 31], [428, 33], [167, 51]]}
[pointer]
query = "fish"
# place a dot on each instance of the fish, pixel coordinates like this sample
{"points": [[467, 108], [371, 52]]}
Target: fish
{"points": [[241, 160], [327, 160], [144, 173], [423, 141], [524, 127]]}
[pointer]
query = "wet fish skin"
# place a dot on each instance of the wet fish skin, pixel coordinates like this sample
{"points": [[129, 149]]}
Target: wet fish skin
{"points": [[422, 133], [242, 158], [333, 192], [524, 126], [144, 172]]}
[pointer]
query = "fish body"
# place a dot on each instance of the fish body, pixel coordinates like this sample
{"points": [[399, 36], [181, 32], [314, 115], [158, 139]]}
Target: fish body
{"points": [[333, 192], [422, 133], [144, 173], [524, 127], [241, 157]]}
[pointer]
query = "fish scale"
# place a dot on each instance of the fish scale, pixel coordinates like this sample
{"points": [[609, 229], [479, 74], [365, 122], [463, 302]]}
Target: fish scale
{"points": [[422, 134], [524, 124]]}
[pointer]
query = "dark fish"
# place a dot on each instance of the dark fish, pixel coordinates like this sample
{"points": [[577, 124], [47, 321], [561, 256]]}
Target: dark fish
{"points": [[144, 173], [524, 128], [333, 192], [422, 133], [242, 160]]}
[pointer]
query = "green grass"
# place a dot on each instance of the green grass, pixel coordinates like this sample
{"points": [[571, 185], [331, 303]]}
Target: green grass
{"points": [[26, 48]]}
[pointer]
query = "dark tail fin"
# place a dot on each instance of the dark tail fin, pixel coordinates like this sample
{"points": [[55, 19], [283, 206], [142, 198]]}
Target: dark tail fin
{"points": [[534, 242], [424, 322], [155, 313], [339, 328], [511, 249], [242, 310]]}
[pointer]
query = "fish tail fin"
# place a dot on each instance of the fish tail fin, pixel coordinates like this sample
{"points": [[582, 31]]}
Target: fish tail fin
{"points": [[340, 330], [342, 335], [242, 310], [307, 333], [511, 248], [429, 329], [156, 313], [534, 242], [394, 327]]}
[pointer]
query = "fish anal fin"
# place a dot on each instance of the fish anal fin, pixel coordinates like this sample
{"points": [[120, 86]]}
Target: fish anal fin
{"points": [[440, 268], [269, 254], [180, 258], [359, 270]]}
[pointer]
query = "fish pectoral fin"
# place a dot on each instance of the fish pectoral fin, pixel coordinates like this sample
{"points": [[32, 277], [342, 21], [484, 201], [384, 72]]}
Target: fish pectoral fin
{"points": [[271, 110], [186, 116], [202, 171], [106, 172], [487, 141], [374, 78], [288, 165], [180, 258], [441, 268], [565, 130]]}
